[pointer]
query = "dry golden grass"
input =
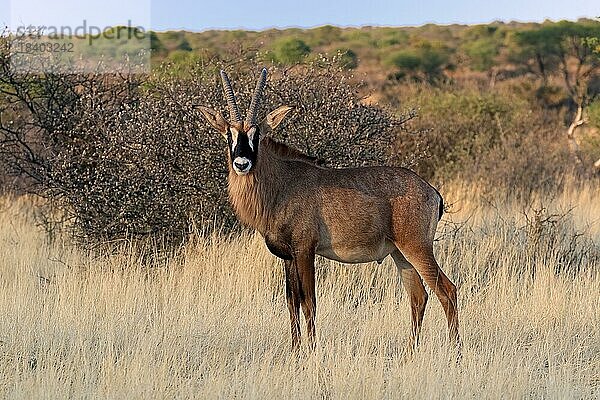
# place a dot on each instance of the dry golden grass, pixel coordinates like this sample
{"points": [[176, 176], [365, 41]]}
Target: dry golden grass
{"points": [[212, 323]]}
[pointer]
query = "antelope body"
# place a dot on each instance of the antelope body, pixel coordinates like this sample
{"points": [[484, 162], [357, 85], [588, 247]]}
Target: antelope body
{"points": [[352, 215]]}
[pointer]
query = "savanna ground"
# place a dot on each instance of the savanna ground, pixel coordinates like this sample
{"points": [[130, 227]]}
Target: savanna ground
{"points": [[212, 321]]}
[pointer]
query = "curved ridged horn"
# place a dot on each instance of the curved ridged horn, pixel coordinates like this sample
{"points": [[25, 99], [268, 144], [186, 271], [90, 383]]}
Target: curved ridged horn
{"points": [[255, 104], [234, 111]]}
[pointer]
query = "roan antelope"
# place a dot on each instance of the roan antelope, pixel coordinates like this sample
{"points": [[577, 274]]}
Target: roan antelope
{"points": [[352, 215]]}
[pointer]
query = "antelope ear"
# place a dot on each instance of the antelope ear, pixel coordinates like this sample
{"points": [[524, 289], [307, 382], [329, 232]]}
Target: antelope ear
{"points": [[275, 117], [215, 119]]}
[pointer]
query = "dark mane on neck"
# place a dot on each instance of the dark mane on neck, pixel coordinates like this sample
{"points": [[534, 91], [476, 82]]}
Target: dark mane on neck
{"points": [[284, 151]]}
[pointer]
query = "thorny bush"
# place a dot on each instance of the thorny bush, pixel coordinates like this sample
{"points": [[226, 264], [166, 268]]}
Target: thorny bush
{"points": [[128, 156]]}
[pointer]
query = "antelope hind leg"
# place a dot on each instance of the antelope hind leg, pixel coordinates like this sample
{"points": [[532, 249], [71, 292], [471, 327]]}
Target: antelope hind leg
{"points": [[424, 262], [306, 272], [413, 285], [292, 294]]}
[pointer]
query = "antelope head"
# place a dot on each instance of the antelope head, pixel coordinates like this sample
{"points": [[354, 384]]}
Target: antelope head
{"points": [[243, 137]]}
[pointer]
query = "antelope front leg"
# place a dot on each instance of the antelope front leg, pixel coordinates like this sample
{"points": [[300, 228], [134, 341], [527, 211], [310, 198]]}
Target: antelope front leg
{"points": [[306, 271], [292, 294]]}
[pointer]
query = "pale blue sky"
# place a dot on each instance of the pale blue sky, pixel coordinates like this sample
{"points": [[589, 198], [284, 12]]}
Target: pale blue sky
{"points": [[262, 14]]}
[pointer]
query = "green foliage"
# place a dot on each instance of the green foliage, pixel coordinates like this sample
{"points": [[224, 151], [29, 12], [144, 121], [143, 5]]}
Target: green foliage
{"points": [[427, 60], [347, 59], [482, 53], [594, 113], [290, 50], [406, 60], [326, 35], [184, 60], [156, 45], [391, 37], [434, 57], [548, 44], [356, 35], [184, 45], [491, 138], [480, 31], [236, 35], [590, 139], [438, 48], [593, 43]]}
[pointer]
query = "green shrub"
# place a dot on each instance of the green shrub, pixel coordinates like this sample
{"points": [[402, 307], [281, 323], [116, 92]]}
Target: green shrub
{"points": [[290, 51], [495, 139], [347, 59], [391, 37], [482, 53], [405, 60], [325, 35], [594, 113], [425, 61], [434, 57]]}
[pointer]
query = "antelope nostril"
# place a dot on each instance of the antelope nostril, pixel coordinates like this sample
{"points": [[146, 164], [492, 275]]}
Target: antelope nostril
{"points": [[241, 165]]}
